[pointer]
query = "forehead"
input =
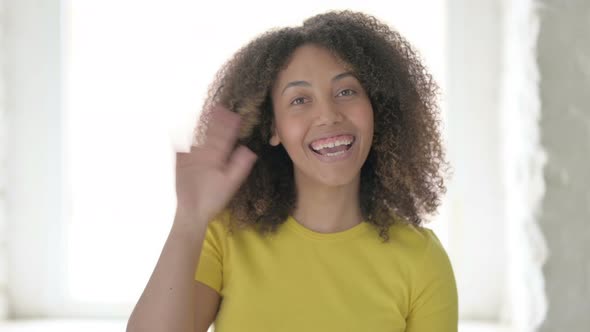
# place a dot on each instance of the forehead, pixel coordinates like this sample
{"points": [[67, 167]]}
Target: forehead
{"points": [[309, 61]]}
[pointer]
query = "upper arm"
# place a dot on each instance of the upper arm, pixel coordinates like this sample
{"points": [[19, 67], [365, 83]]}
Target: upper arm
{"points": [[439, 312], [206, 306], [434, 304]]}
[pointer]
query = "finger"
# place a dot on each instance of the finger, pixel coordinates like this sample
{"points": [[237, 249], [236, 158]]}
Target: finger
{"points": [[183, 158], [240, 165], [221, 129]]}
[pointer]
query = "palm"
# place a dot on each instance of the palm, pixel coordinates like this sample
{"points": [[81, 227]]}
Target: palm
{"points": [[208, 176]]}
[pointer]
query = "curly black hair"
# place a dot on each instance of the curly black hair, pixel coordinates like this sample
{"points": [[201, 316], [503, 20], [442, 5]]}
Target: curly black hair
{"points": [[402, 179]]}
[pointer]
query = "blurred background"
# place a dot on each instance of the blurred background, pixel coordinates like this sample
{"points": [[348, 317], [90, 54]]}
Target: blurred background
{"points": [[96, 97]]}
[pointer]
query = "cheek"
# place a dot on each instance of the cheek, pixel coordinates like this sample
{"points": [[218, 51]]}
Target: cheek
{"points": [[370, 115], [289, 132], [365, 118], [291, 135]]}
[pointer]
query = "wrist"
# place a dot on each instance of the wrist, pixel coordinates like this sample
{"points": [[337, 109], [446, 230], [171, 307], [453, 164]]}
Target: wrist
{"points": [[189, 221]]}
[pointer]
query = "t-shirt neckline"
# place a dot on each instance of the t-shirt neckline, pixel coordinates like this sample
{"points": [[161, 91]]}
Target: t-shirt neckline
{"points": [[349, 233]]}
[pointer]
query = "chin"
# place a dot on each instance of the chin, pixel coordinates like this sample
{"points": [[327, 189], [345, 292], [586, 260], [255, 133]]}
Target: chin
{"points": [[335, 180]]}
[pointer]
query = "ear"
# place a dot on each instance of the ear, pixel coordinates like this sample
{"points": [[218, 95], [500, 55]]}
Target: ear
{"points": [[274, 137]]}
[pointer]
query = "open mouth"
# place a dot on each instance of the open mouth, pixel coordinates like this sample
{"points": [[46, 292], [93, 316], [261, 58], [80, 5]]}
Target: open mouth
{"points": [[333, 151]]}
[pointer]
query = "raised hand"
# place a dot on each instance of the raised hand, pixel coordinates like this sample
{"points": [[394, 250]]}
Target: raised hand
{"points": [[211, 173]]}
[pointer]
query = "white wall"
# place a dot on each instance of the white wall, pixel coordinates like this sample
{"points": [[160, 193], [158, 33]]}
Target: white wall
{"points": [[3, 146], [564, 64], [34, 173]]}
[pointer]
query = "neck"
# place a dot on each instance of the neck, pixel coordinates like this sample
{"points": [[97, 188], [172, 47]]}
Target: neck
{"points": [[327, 209]]}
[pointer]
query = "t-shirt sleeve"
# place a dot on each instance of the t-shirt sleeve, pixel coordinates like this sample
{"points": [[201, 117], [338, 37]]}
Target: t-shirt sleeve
{"points": [[210, 267], [434, 302]]}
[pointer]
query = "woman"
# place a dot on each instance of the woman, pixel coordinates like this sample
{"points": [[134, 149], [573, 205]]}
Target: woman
{"points": [[314, 221]]}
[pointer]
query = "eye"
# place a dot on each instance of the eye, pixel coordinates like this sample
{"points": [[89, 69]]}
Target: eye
{"points": [[298, 101], [346, 93]]}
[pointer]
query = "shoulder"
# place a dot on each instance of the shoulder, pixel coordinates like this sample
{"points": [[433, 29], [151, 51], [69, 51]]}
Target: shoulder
{"points": [[432, 287], [422, 246], [223, 225], [413, 238], [217, 230]]}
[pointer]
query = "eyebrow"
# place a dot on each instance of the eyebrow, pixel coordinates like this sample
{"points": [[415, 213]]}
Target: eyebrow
{"points": [[307, 84]]}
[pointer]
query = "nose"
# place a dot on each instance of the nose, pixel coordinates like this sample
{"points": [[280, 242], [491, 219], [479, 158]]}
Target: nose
{"points": [[328, 113]]}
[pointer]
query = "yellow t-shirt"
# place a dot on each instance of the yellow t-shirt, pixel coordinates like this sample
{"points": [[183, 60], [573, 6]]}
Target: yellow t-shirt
{"points": [[302, 280]]}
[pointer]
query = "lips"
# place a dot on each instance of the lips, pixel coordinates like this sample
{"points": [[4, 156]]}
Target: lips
{"points": [[326, 151], [335, 157]]}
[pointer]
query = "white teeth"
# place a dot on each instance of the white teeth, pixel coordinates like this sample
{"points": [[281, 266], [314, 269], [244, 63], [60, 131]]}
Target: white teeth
{"points": [[318, 147]]}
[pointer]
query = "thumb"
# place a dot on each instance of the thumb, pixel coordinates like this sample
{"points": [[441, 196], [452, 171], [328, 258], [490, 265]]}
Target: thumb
{"points": [[240, 164]]}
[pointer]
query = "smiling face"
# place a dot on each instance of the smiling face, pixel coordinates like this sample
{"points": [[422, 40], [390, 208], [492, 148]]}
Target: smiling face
{"points": [[322, 117]]}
